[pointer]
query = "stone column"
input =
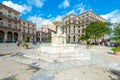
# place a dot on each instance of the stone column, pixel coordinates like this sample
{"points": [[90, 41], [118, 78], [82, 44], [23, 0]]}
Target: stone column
{"points": [[71, 38], [20, 37], [12, 37], [5, 36]]}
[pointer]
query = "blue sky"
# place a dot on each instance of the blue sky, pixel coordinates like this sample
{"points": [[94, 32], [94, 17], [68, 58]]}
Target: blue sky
{"points": [[45, 11]]}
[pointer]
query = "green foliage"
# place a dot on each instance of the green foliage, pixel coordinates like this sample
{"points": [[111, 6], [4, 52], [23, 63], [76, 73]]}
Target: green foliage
{"points": [[68, 41], [47, 39], [84, 38], [117, 49], [116, 34], [25, 39], [95, 30], [25, 44]]}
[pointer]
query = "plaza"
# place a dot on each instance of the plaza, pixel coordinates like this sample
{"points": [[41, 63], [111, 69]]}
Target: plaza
{"points": [[104, 65], [59, 40]]}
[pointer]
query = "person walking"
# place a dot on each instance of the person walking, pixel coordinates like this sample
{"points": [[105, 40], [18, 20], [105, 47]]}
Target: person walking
{"points": [[18, 43]]}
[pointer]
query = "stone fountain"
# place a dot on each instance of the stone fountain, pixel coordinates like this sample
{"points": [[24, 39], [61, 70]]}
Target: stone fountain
{"points": [[59, 51]]}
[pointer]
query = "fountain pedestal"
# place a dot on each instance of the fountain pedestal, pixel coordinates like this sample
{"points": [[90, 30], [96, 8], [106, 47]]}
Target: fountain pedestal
{"points": [[59, 51]]}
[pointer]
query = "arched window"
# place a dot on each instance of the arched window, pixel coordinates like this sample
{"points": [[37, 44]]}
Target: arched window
{"points": [[74, 38]]}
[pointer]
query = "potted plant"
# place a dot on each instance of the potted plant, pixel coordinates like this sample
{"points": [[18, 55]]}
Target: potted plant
{"points": [[116, 51], [89, 44], [25, 45]]}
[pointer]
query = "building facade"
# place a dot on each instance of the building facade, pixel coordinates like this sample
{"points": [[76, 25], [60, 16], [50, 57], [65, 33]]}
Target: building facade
{"points": [[9, 24], [73, 24], [12, 28], [45, 32], [28, 30]]}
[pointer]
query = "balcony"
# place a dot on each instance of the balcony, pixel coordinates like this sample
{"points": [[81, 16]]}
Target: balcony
{"points": [[1, 23], [9, 16], [27, 33]]}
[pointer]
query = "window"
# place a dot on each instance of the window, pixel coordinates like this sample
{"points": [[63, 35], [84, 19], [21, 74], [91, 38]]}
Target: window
{"points": [[23, 30], [10, 25], [63, 30], [15, 27], [1, 19], [78, 31], [74, 38], [9, 21], [28, 30], [9, 11], [87, 20], [1, 23], [0, 8], [69, 29], [16, 14], [82, 21], [82, 25], [0, 13], [87, 14], [15, 18], [9, 16], [33, 31], [66, 29], [15, 22], [74, 29], [78, 26]]}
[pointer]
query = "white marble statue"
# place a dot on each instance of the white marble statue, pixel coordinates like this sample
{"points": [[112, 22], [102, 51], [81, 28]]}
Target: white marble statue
{"points": [[59, 37]]}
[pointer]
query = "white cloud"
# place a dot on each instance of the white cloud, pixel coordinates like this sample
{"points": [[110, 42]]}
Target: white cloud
{"points": [[79, 8], [64, 4], [71, 12], [113, 16], [42, 21], [39, 21], [58, 18], [21, 8], [37, 3]]}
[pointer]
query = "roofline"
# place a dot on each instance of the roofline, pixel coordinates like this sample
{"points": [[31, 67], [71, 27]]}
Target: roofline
{"points": [[69, 15], [27, 22], [83, 13], [10, 8]]}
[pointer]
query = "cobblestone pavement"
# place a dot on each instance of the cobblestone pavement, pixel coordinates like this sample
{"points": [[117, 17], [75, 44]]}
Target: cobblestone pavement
{"points": [[101, 55]]}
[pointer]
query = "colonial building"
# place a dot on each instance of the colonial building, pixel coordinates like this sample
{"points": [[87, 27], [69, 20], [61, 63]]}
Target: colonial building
{"points": [[28, 30], [73, 24], [12, 28], [9, 24], [45, 32]]}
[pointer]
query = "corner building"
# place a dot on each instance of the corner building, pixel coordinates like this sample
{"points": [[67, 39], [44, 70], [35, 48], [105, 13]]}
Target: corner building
{"points": [[9, 24], [28, 30], [73, 24]]}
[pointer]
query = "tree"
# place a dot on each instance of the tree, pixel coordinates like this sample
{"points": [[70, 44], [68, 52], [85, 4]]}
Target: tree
{"points": [[116, 34], [96, 30]]}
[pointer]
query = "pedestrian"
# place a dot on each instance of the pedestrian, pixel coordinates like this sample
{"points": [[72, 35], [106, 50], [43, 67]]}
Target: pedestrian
{"points": [[18, 43]]}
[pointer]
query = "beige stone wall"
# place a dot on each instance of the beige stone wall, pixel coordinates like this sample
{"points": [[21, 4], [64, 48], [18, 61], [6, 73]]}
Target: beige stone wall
{"points": [[73, 24], [10, 19], [28, 29], [45, 28]]}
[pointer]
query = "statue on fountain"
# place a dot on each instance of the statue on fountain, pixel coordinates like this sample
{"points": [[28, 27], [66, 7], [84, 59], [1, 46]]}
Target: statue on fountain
{"points": [[59, 37]]}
